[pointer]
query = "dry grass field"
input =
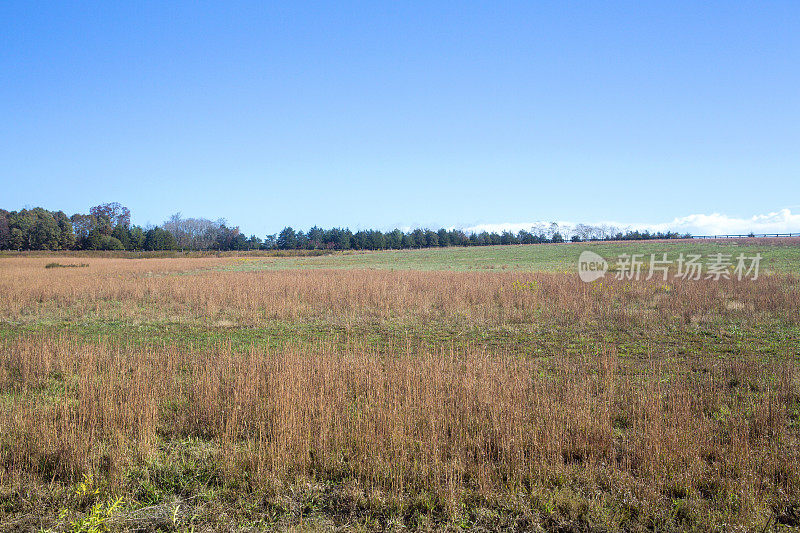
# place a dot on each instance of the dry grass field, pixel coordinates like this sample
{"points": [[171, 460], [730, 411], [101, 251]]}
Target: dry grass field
{"points": [[216, 393]]}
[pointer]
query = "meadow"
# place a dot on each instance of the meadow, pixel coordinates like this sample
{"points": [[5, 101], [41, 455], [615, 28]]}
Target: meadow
{"points": [[438, 389]]}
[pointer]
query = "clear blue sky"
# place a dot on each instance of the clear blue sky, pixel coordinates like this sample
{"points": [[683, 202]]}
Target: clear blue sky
{"points": [[401, 114]]}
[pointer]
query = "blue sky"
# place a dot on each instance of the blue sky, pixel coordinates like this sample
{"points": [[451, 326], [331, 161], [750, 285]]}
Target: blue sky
{"points": [[401, 113]]}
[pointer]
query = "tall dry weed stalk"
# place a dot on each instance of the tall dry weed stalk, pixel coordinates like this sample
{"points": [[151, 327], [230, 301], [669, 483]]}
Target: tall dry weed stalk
{"points": [[448, 421], [154, 290]]}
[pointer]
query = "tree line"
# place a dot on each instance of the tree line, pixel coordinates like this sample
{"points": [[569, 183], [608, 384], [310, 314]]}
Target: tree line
{"points": [[108, 227]]}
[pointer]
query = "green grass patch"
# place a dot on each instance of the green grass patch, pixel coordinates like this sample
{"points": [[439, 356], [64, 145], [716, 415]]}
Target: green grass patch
{"points": [[776, 257]]}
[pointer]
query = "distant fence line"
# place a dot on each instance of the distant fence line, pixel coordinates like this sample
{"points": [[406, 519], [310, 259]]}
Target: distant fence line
{"points": [[749, 235]]}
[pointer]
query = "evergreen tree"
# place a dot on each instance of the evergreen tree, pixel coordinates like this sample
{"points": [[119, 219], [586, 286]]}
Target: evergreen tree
{"points": [[287, 239], [159, 239]]}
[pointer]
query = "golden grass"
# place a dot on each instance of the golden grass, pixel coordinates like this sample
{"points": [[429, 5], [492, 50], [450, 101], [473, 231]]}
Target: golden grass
{"points": [[153, 289], [450, 423], [455, 421]]}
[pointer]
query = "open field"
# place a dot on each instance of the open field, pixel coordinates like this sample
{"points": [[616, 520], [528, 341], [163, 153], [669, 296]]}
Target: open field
{"points": [[779, 255], [459, 388]]}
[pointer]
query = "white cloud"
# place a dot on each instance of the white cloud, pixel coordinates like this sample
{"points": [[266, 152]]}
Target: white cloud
{"points": [[782, 221]]}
